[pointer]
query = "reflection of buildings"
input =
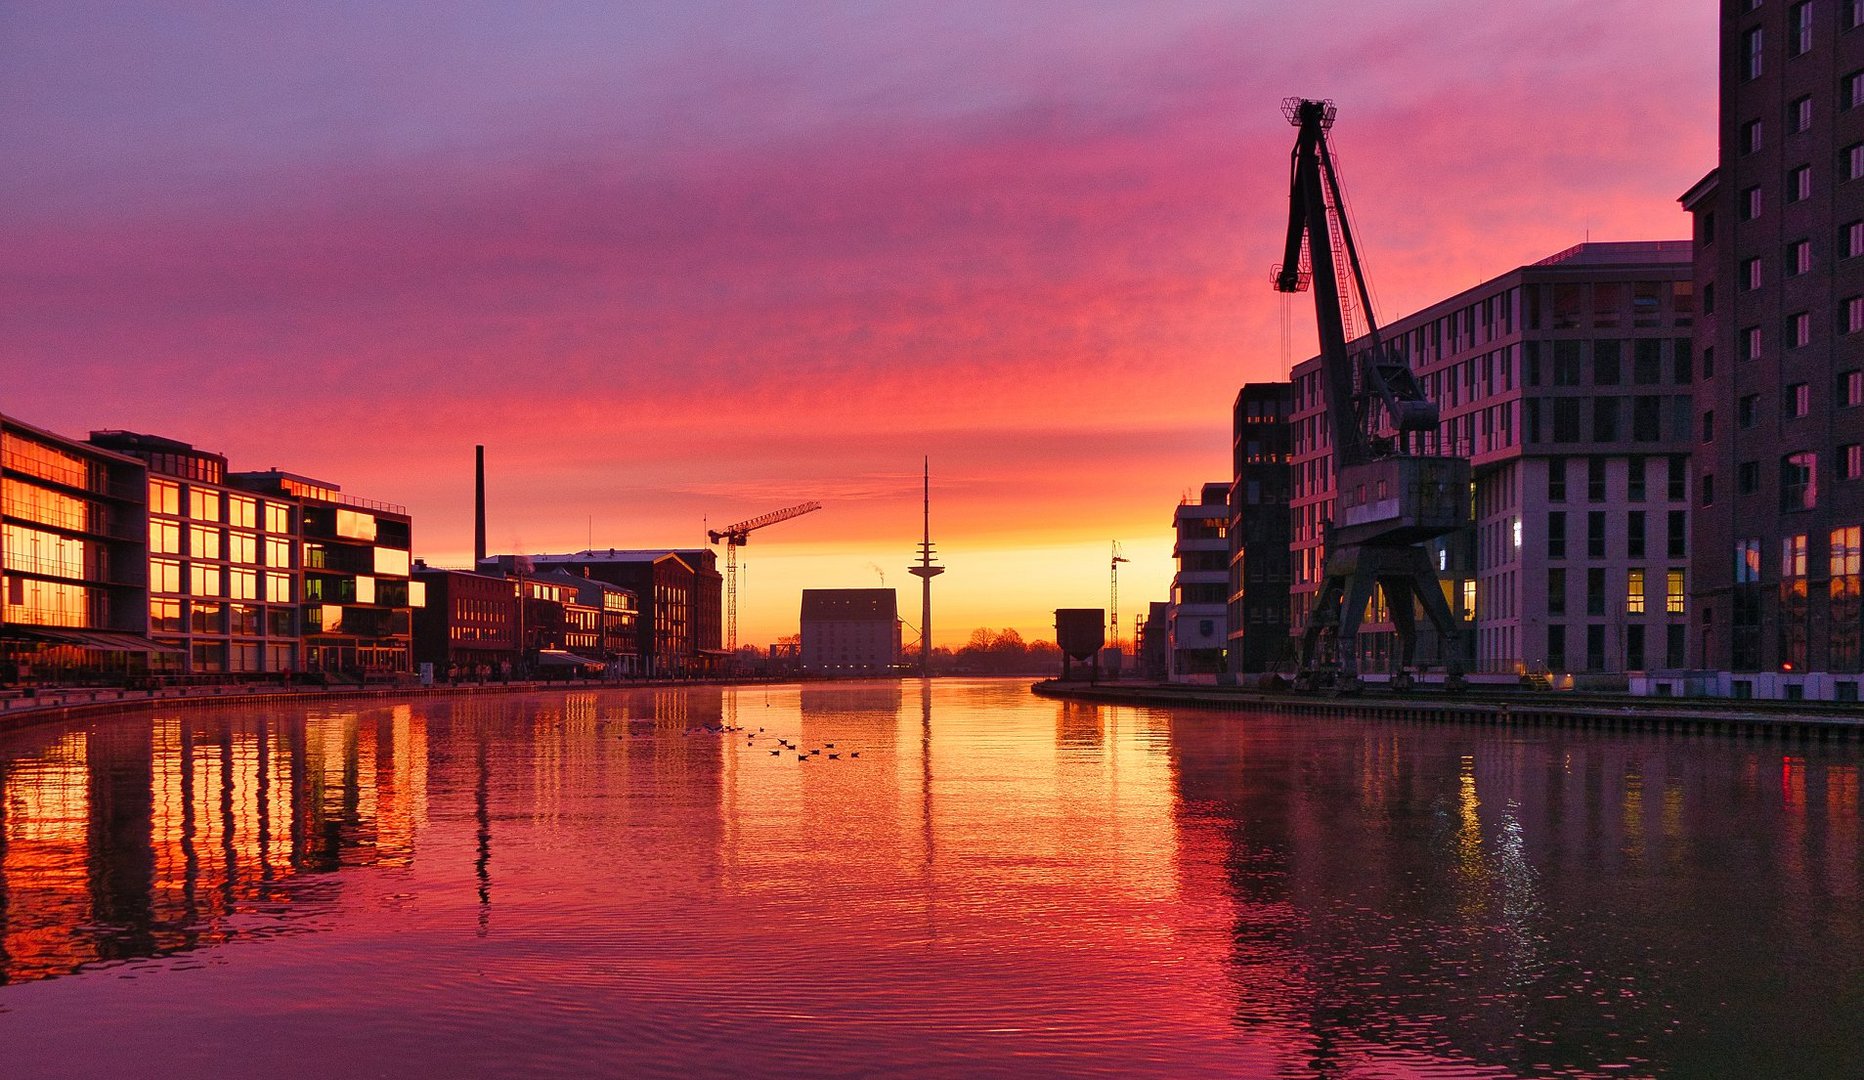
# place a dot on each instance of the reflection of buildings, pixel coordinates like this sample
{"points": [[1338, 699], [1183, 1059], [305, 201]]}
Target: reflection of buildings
{"points": [[141, 839]]}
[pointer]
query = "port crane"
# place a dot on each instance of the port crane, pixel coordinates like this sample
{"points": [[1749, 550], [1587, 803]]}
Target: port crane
{"points": [[1395, 486], [735, 537]]}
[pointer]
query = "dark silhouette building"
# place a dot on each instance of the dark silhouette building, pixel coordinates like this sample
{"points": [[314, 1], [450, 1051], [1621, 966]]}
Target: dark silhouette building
{"points": [[1259, 530]]}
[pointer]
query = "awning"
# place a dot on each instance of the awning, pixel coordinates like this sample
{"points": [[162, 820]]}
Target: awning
{"points": [[559, 658], [104, 640]]}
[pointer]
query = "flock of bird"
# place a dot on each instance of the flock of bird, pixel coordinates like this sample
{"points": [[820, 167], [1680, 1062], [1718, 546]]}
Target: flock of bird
{"points": [[826, 750]]}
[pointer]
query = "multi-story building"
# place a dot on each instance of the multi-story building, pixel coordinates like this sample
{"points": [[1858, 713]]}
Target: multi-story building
{"points": [[1568, 384], [223, 563], [1779, 479], [357, 593], [669, 592], [1197, 615], [469, 626], [850, 631], [1258, 612], [74, 600]]}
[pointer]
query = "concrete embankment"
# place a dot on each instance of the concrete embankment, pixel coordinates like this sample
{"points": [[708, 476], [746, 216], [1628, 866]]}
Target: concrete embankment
{"points": [[1813, 721], [67, 705]]}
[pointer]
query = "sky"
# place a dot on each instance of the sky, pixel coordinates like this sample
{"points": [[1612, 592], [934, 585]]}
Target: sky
{"points": [[694, 261]]}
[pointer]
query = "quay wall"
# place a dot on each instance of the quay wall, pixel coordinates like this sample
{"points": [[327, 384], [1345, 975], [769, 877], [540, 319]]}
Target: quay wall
{"points": [[1810, 721]]}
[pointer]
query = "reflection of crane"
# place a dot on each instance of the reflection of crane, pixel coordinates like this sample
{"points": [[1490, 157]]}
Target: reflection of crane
{"points": [[1394, 486], [735, 537], [1113, 600]]}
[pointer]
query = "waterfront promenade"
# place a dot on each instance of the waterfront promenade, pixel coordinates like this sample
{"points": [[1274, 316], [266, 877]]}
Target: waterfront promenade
{"points": [[1609, 712]]}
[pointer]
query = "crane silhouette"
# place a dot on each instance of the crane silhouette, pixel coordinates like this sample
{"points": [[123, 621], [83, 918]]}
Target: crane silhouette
{"points": [[735, 537]]}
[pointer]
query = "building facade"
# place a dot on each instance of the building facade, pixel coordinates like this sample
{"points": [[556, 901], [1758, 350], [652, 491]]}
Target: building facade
{"points": [[1259, 530], [1569, 385], [468, 627], [850, 631], [667, 591], [1198, 612], [74, 598], [1779, 472]]}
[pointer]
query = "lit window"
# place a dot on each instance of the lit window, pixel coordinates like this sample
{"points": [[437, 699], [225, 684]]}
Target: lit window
{"points": [[1469, 598], [1673, 592], [243, 584], [1634, 592], [1846, 551], [204, 580], [1747, 561], [1793, 556], [1517, 532]]}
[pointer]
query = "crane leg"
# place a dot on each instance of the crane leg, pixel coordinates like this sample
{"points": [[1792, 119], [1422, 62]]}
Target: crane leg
{"points": [[1346, 641], [1399, 593]]}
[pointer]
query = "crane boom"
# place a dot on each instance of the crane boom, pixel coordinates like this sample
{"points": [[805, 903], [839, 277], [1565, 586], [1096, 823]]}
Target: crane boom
{"points": [[1393, 487], [735, 537]]}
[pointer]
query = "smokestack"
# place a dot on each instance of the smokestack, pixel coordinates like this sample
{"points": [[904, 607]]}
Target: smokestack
{"points": [[478, 507]]}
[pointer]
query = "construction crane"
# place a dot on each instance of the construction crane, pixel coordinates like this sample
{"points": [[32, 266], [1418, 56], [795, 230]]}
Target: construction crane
{"points": [[1394, 487], [735, 537], [1113, 598]]}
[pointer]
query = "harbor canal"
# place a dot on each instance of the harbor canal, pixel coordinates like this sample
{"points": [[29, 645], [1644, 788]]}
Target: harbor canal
{"points": [[617, 883]]}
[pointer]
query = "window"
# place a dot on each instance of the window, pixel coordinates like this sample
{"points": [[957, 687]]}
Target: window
{"points": [[1634, 591], [1793, 556], [1752, 137], [1747, 411], [1708, 426], [1799, 329], [242, 511], [164, 497], [1595, 534], [1595, 479], [1799, 184], [1853, 90], [1634, 479], [1799, 257], [1673, 592], [1854, 239], [277, 518], [204, 505], [1747, 477], [1679, 534], [1851, 455], [1854, 314], [1556, 535], [164, 576], [1566, 363], [204, 580], [1750, 343], [1565, 419], [1851, 388], [1853, 13], [1556, 591], [1847, 559], [1595, 591], [1556, 479], [1799, 115], [1708, 354], [1798, 400], [1799, 481], [1799, 28], [1605, 367], [1678, 480], [1556, 646], [1605, 419], [1752, 47], [1854, 161], [278, 588], [1751, 274], [1747, 561], [203, 543], [164, 537], [1750, 204], [242, 547], [1634, 534], [243, 584]]}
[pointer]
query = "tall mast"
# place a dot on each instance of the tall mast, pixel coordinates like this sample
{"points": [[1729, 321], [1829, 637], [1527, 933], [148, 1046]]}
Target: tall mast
{"points": [[925, 572]]}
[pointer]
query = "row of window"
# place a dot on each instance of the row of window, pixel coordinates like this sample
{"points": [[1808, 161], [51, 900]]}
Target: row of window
{"points": [[1637, 469], [242, 620], [1844, 554], [1637, 539], [1639, 595], [1799, 477], [1799, 35], [209, 505]]}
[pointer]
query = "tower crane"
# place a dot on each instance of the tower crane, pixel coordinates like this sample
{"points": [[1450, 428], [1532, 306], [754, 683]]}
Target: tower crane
{"points": [[1394, 485], [735, 537], [1113, 598]]}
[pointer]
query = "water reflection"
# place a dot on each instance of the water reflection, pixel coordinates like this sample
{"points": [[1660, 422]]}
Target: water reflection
{"points": [[998, 884]]}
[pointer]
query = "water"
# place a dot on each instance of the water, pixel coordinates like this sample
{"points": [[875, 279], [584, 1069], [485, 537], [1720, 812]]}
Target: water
{"points": [[578, 884]]}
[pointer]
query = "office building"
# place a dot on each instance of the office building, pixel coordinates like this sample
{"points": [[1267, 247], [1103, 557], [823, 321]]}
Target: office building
{"points": [[468, 627], [1259, 530], [1198, 612], [74, 598], [1568, 383]]}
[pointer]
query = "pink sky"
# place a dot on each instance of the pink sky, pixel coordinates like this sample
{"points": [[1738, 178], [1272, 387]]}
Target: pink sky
{"points": [[672, 261]]}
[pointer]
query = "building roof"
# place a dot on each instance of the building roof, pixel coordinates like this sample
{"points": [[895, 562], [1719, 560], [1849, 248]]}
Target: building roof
{"points": [[850, 605], [609, 555]]}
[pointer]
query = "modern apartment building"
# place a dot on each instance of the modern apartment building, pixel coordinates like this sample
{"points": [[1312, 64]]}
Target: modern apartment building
{"points": [[1258, 530], [357, 592], [1779, 470], [1568, 383], [74, 600], [1197, 615], [223, 563]]}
